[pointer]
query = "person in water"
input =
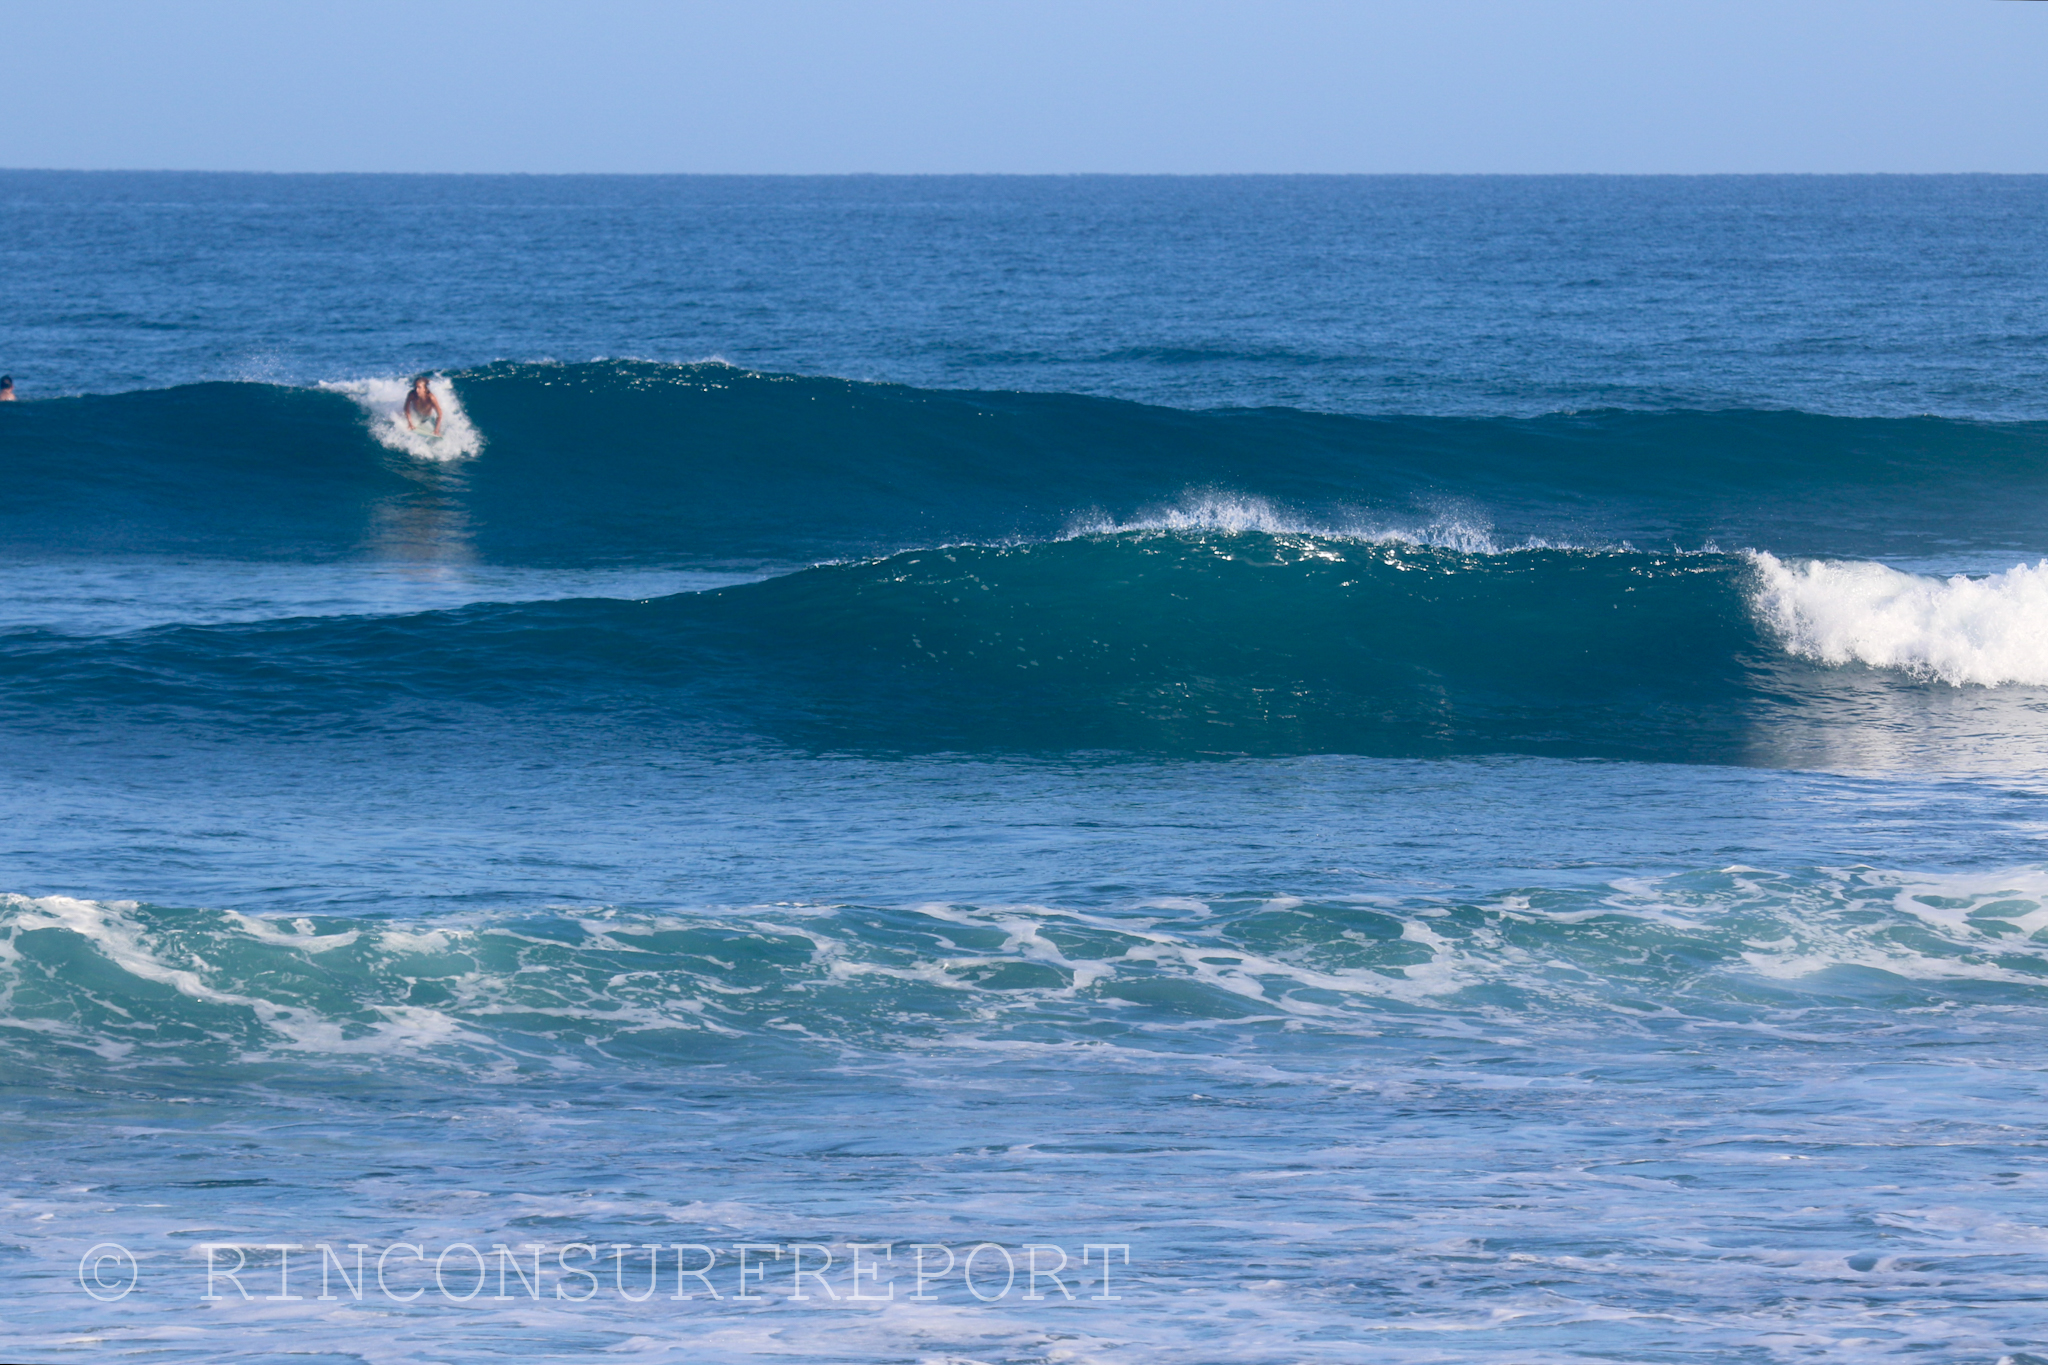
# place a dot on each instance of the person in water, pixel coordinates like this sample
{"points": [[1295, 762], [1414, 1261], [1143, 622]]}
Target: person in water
{"points": [[6, 388], [419, 403]]}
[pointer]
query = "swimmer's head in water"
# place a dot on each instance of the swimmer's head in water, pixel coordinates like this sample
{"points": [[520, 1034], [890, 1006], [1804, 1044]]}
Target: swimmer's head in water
{"points": [[6, 381]]}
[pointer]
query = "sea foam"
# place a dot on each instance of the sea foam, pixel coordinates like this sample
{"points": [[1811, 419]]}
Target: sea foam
{"points": [[383, 400], [1989, 631]]}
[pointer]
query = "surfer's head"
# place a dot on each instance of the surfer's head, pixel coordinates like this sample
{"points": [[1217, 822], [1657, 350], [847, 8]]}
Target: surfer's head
{"points": [[6, 382], [419, 383]]}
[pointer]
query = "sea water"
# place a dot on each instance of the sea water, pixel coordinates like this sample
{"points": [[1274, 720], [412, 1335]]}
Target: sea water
{"points": [[1082, 770]]}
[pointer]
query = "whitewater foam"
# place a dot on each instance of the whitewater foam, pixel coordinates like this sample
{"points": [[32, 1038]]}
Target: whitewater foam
{"points": [[138, 950], [625, 989], [383, 401], [1989, 631]]}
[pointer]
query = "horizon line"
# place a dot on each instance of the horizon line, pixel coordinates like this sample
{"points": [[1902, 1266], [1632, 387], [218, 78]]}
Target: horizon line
{"points": [[1034, 175]]}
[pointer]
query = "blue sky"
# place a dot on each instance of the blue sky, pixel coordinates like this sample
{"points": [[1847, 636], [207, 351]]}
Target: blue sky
{"points": [[1046, 86]]}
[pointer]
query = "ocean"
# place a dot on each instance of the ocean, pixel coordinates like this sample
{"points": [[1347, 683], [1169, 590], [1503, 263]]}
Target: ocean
{"points": [[1235, 771]]}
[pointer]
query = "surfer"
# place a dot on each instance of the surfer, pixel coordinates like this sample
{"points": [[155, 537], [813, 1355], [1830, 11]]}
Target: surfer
{"points": [[6, 388], [419, 403]]}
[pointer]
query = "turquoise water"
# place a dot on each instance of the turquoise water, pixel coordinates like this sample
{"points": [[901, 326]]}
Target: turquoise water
{"points": [[1436, 770]]}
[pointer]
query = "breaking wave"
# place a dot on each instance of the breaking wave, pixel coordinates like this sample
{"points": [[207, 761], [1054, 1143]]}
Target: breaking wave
{"points": [[1989, 630]]}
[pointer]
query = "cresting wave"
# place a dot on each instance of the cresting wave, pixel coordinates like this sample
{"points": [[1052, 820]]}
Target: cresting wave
{"points": [[1153, 641], [205, 993], [1160, 641], [633, 462]]}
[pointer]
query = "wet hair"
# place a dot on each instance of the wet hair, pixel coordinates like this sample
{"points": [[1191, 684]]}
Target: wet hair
{"points": [[6, 381]]}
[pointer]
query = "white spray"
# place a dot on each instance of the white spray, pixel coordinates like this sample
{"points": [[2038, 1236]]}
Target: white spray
{"points": [[383, 400], [1961, 630], [1216, 511]]}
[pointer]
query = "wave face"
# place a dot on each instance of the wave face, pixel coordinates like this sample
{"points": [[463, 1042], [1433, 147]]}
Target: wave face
{"points": [[1173, 641], [628, 462], [1165, 641]]}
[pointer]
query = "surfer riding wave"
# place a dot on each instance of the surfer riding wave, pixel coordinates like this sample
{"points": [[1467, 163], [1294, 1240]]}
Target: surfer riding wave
{"points": [[419, 403]]}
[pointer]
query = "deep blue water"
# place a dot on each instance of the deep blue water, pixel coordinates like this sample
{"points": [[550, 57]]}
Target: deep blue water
{"points": [[1454, 767]]}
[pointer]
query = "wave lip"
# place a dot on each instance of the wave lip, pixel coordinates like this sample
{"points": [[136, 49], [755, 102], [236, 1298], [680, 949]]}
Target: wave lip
{"points": [[1222, 512], [1989, 631]]}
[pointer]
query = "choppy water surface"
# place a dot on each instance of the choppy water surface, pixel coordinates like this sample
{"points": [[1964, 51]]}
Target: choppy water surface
{"points": [[1221, 770]]}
